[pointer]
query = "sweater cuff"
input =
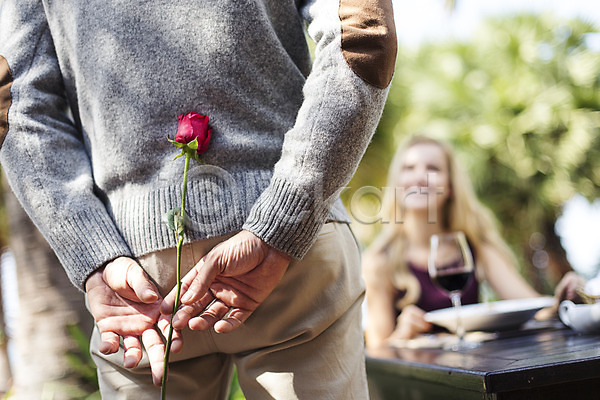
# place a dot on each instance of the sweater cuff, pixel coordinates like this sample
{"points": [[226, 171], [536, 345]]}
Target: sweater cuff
{"points": [[85, 242], [288, 218]]}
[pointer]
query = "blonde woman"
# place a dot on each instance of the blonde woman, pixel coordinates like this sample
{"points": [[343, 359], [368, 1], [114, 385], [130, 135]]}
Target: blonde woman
{"points": [[432, 195]]}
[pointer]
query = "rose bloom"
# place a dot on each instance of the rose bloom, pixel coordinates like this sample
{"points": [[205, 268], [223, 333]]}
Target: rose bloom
{"points": [[194, 126]]}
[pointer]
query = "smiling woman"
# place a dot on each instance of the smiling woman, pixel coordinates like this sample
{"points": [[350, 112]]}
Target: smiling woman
{"points": [[399, 289]]}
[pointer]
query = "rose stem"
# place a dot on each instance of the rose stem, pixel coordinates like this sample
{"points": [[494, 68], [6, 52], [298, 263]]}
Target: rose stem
{"points": [[178, 290]]}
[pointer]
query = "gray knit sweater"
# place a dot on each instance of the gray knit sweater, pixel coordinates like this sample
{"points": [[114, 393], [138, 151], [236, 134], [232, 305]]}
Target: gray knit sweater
{"points": [[90, 91]]}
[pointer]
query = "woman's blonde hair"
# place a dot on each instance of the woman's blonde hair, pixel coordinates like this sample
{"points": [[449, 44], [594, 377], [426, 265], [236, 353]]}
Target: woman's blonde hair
{"points": [[461, 212]]}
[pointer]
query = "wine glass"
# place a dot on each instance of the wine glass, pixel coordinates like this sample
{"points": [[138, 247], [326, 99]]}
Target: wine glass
{"points": [[450, 267]]}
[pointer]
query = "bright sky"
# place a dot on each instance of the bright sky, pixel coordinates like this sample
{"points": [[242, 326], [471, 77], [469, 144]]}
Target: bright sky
{"points": [[578, 228], [430, 20]]}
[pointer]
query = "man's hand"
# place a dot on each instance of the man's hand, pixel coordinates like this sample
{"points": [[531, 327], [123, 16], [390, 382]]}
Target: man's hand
{"points": [[228, 284], [125, 303]]}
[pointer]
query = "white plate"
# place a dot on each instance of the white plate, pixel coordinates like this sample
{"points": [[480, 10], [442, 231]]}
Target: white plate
{"points": [[492, 316]]}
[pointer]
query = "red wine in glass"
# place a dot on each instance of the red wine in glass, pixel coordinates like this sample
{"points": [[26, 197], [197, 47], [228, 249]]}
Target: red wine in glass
{"points": [[452, 282], [450, 267]]}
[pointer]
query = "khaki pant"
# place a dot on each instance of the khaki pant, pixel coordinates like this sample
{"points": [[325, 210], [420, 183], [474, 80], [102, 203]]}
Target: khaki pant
{"points": [[304, 342]]}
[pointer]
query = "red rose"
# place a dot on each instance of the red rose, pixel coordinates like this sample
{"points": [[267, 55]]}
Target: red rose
{"points": [[194, 126]]}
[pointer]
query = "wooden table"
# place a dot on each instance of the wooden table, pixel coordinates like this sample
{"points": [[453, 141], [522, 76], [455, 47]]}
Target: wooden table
{"points": [[544, 361]]}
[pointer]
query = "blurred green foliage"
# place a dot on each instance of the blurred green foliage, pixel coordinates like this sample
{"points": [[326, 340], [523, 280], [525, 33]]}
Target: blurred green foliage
{"points": [[520, 102], [82, 365], [235, 391]]}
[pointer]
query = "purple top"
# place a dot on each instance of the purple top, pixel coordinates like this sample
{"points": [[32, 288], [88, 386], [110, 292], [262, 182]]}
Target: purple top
{"points": [[433, 298]]}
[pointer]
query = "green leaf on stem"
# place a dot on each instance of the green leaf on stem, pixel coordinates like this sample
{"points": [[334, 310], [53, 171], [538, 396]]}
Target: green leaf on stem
{"points": [[179, 223], [169, 218], [174, 220]]}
